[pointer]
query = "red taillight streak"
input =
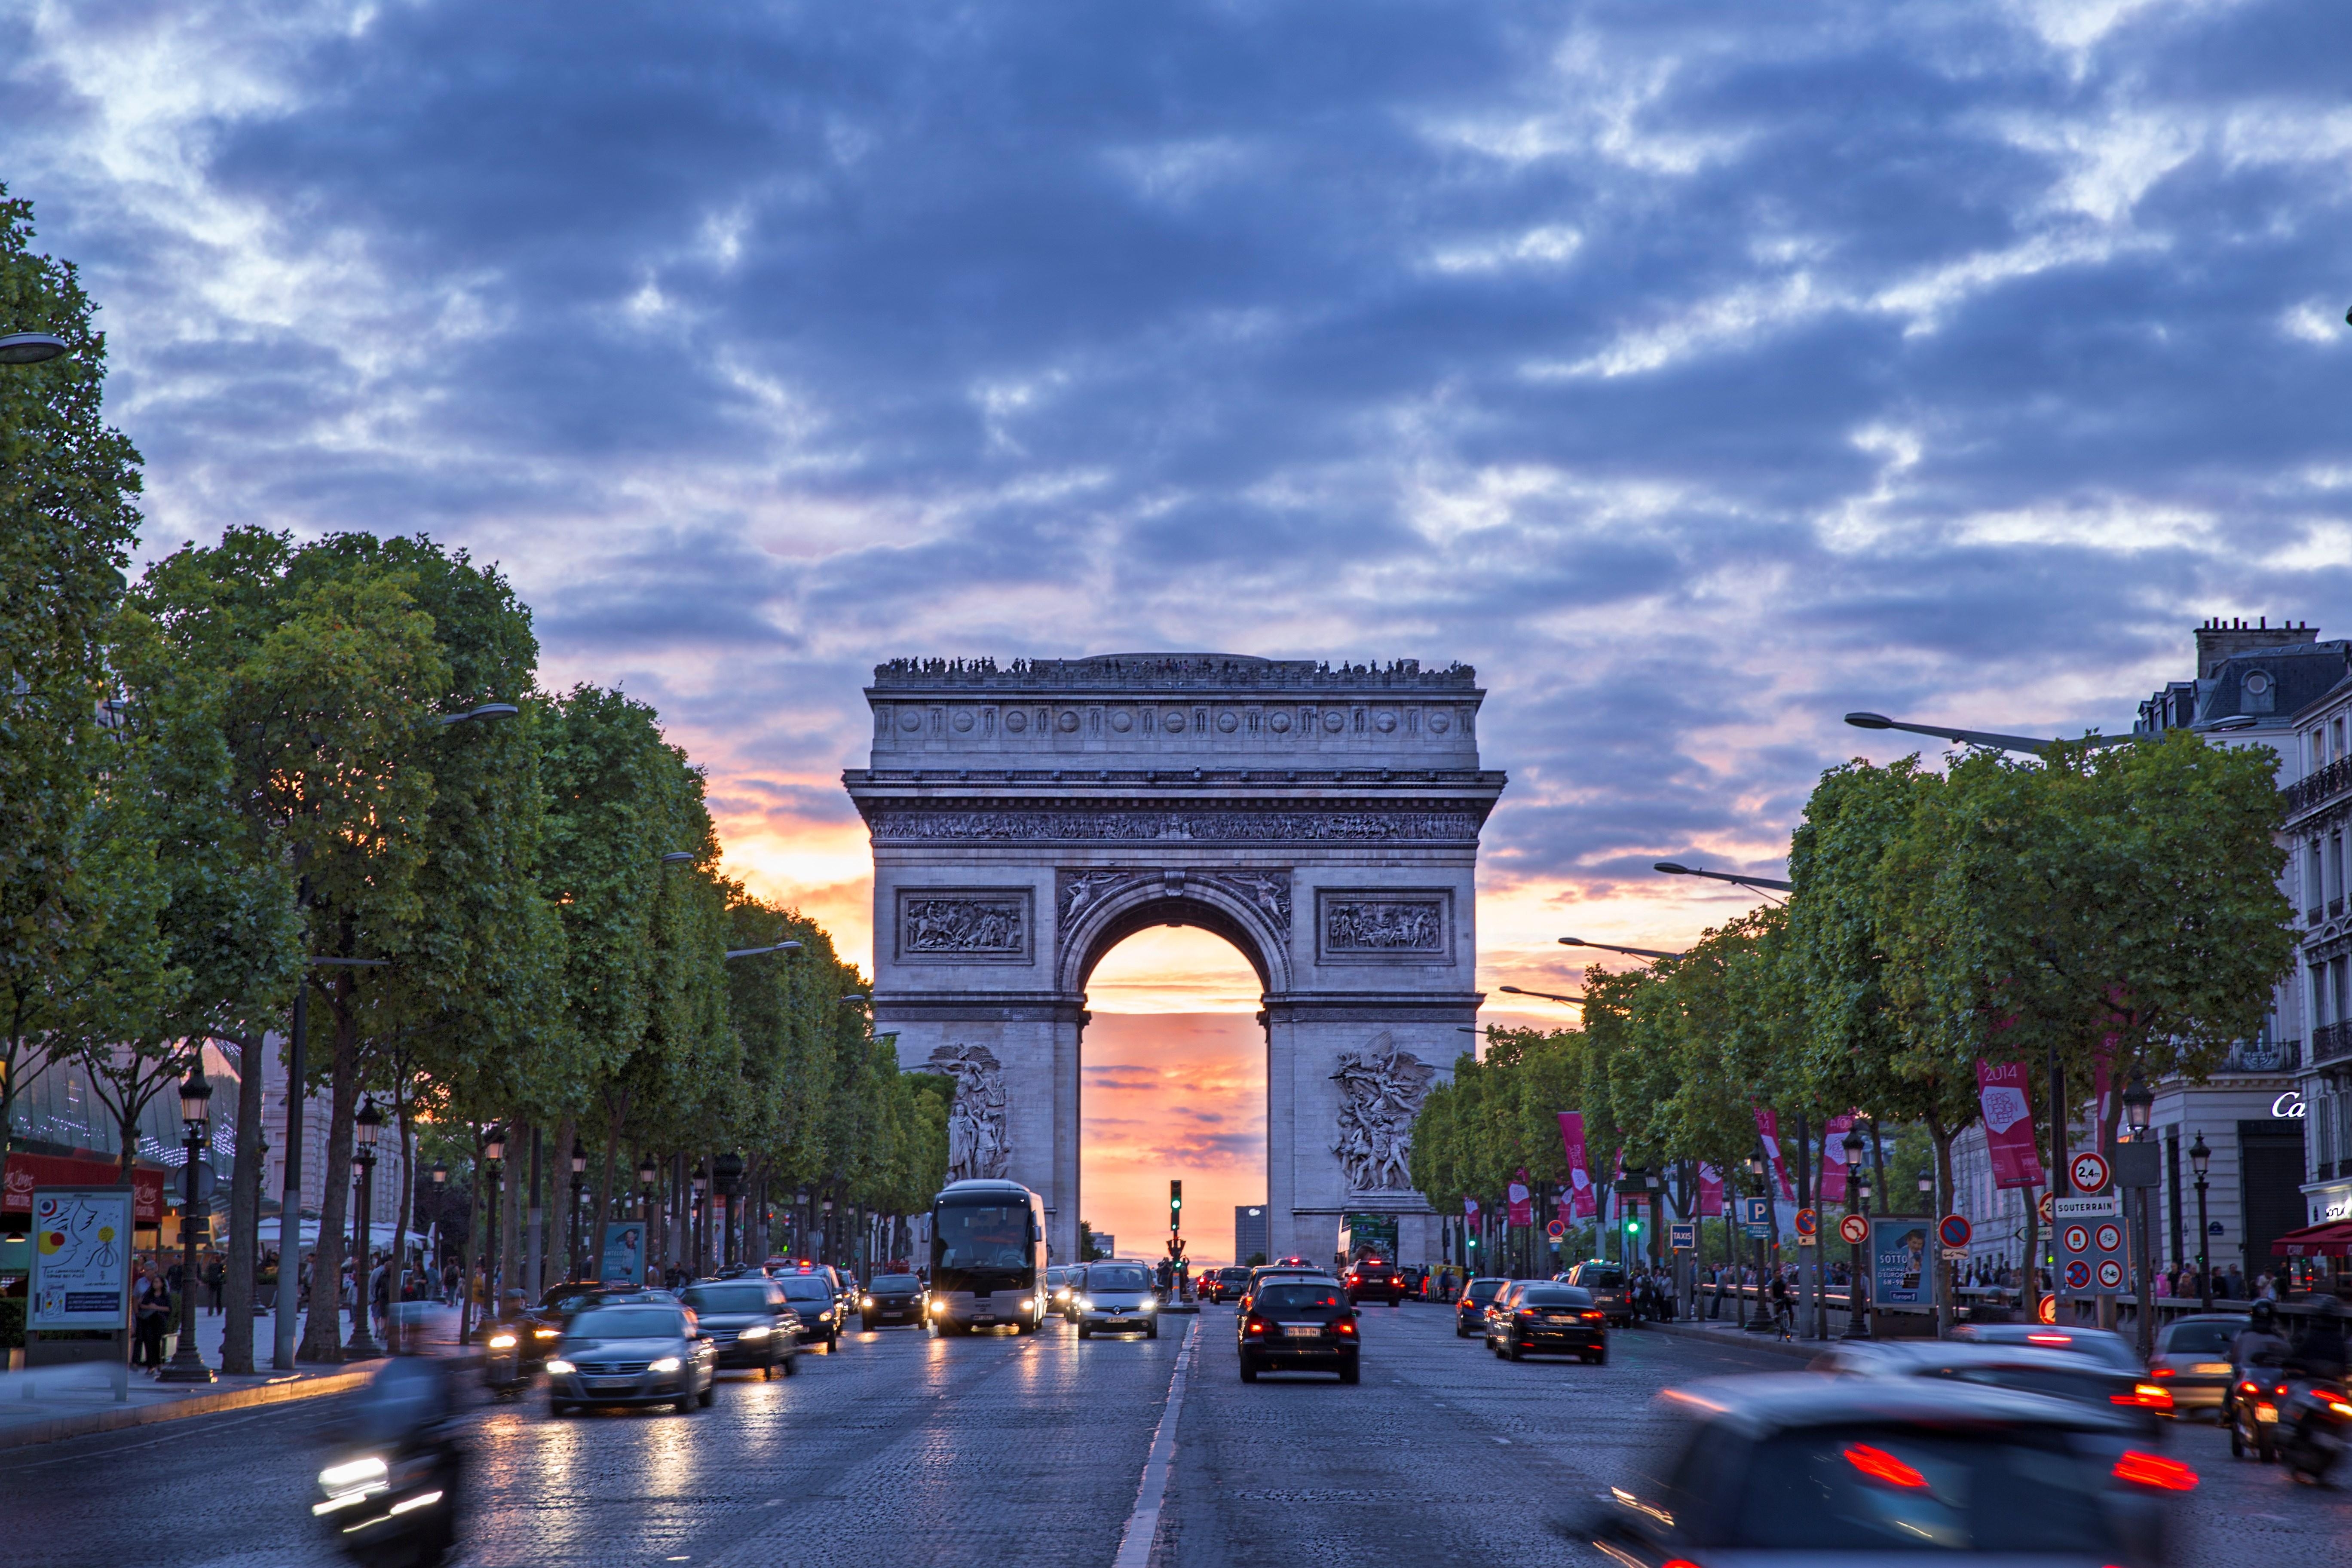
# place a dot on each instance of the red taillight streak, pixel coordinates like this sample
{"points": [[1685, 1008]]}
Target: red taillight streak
{"points": [[2050, 1339], [2161, 1372], [1679, 1562], [1881, 1465], [2153, 1470]]}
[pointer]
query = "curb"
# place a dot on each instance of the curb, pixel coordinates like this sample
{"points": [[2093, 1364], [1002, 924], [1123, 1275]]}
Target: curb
{"points": [[1798, 1350], [298, 1386]]}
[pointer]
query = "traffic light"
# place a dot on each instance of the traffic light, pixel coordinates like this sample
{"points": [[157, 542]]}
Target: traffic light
{"points": [[1175, 1204]]}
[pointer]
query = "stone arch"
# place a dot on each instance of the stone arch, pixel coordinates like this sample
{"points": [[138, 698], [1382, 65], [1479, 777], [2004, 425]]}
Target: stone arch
{"points": [[1162, 901]]}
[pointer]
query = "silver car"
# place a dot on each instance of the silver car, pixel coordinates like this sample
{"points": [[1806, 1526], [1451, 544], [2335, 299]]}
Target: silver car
{"points": [[1116, 1298], [636, 1352]]}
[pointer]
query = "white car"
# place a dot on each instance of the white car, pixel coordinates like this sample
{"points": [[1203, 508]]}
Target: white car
{"points": [[1115, 1299]]}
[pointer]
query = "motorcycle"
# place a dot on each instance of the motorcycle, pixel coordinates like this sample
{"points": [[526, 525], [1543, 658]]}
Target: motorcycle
{"points": [[389, 1494], [2252, 1408], [2314, 1421]]}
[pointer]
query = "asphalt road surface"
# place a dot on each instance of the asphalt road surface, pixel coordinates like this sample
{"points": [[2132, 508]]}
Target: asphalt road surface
{"points": [[903, 1449]]}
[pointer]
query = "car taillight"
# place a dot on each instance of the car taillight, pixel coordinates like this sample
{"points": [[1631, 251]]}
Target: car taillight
{"points": [[2153, 1470], [1595, 1317], [1527, 1314], [2161, 1372], [1881, 1465], [2338, 1407], [1343, 1327], [1255, 1326], [1396, 1278], [2146, 1396], [2250, 1388]]}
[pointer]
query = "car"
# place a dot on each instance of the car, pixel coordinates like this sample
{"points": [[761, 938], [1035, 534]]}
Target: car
{"points": [[1606, 1280], [813, 1298], [1793, 1468], [1415, 1276], [1266, 1271], [1470, 1307], [2192, 1361], [1224, 1285], [1116, 1298], [1057, 1290], [749, 1321], [632, 1352], [1548, 1318], [1296, 1324], [1375, 1279], [891, 1299], [2031, 1369], [2100, 1344]]}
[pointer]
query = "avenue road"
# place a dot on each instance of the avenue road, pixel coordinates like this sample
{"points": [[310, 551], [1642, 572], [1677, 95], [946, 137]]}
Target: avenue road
{"points": [[904, 1449]]}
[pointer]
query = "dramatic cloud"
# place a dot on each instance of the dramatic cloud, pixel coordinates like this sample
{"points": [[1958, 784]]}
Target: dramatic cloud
{"points": [[1697, 372]]}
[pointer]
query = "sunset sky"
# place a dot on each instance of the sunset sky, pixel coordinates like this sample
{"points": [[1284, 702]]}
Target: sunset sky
{"points": [[1697, 372]]}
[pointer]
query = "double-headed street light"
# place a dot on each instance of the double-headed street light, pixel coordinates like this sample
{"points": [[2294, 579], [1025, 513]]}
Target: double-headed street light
{"points": [[187, 1365]]}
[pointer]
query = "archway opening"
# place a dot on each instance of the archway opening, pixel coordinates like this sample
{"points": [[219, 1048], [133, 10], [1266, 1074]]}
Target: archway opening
{"points": [[1174, 1088]]}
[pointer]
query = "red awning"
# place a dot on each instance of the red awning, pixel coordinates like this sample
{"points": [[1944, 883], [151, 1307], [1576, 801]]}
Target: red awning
{"points": [[2332, 1238], [26, 1172]]}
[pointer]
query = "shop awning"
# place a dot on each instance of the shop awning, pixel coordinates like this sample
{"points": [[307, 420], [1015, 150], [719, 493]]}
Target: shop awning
{"points": [[2332, 1238]]}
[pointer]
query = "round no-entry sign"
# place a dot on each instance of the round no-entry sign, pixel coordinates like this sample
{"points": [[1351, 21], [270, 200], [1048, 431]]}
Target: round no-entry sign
{"points": [[2088, 1172], [2078, 1238], [1955, 1230], [1854, 1228]]}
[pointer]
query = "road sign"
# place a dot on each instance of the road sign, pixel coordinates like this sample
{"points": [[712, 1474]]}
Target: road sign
{"points": [[1556, 1230], [2047, 1198], [1954, 1230], [1854, 1228], [1955, 1255], [2107, 1205], [2088, 1172], [1756, 1217], [2090, 1236], [2048, 1311], [1809, 1225], [1683, 1235]]}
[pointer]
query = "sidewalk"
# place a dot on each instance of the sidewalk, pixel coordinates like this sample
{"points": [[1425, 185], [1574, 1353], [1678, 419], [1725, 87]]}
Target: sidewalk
{"points": [[1729, 1333], [52, 1403]]}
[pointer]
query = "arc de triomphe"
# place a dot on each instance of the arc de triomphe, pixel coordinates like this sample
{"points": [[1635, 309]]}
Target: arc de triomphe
{"points": [[1324, 819]]}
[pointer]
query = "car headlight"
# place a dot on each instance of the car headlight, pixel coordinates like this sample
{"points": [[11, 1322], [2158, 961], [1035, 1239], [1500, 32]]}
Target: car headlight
{"points": [[938, 1307], [666, 1363], [367, 1472], [1150, 1305], [502, 1342], [1086, 1304], [756, 1332], [561, 1367], [547, 1333], [866, 1302]]}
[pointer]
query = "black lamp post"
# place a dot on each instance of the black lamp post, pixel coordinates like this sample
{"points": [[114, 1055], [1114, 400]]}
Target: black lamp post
{"points": [[2139, 1110], [1857, 1201], [702, 1182], [365, 1128], [727, 1173], [440, 1216], [196, 1129], [1757, 1323], [494, 1154], [825, 1253], [579, 1180], [2200, 1157]]}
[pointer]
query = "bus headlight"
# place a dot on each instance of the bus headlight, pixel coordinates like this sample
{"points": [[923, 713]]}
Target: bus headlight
{"points": [[938, 1307]]}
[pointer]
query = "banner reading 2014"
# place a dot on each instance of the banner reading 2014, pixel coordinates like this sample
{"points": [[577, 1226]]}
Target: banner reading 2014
{"points": [[2009, 1124]]}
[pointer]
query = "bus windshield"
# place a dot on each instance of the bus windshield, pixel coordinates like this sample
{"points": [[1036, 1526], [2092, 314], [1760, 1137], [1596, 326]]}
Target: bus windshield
{"points": [[982, 1236]]}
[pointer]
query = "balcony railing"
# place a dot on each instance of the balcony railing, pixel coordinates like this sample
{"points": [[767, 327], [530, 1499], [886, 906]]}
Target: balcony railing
{"points": [[2326, 783], [2263, 1056], [2330, 1041]]}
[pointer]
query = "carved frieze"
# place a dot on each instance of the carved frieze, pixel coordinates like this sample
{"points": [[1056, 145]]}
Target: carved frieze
{"points": [[916, 825], [1375, 924], [964, 925], [1265, 891], [1381, 1092]]}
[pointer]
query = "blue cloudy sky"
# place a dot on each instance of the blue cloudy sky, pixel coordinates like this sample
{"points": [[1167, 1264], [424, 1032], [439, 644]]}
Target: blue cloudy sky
{"points": [[1698, 372]]}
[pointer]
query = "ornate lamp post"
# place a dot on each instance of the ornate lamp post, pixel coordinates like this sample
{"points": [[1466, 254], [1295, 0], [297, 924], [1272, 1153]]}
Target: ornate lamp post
{"points": [[579, 1180], [825, 1253], [728, 1173], [701, 1183], [1857, 1201], [196, 1129], [2200, 1157], [494, 1154], [2139, 1110], [1758, 1323], [440, 1211], [365, 1128]]}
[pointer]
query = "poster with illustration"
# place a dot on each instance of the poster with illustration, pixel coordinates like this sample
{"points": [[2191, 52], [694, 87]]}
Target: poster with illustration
{"points": [[81, 1259], [1898, 1261], [625, 1252]]}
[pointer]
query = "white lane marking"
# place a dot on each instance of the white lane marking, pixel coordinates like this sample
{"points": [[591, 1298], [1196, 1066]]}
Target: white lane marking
{"points": [[1135, 1545], [1505, 1442]]}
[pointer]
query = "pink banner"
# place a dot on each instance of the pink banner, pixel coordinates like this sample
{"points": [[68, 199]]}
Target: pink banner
{"points": [[1470, 1210], [1768, 1126], [1833, 1159], [1523, 1208], [1580, 1202], [1710, 1191], [2009, 1124]]}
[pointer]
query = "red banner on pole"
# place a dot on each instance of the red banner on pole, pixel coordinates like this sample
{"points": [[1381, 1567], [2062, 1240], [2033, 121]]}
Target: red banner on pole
{"points": [[1581, 1201], [1768, 1126], [1710, 1191], [2009, 1124], [1833, 1159], [1522, 1196]]}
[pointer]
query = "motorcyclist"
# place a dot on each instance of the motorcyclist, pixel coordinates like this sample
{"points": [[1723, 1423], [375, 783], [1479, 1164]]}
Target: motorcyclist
{"points": [[404, 1427], [2321, 1354]]}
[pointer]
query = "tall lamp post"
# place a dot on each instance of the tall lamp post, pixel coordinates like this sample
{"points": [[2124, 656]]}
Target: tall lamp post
{"points": [[2200, 1157], [1857, 1201], [2139, 1110], [485, 1246], [579, 1180], [701, 1180], [440, 1218], [187, 1365], [1758, 1323], [727, 1171], [365, 1128], [1936, 1293]]}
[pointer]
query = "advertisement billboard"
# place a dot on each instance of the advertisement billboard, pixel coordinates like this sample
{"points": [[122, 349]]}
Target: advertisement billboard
{"points": [[81, 1259], [625, 1252], [1899, 1252]]}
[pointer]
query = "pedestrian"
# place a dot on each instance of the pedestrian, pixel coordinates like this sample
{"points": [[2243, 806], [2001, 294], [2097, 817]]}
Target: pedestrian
{"points": [[213, 1285], [152, 1315]]}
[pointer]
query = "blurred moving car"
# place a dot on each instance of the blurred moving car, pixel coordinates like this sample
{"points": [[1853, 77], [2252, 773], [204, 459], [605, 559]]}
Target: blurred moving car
{"points": [[1799, 1469], [1374, 1280], [2030, 1369], [1301, 1325], [1547, 1319], [2100, 1344], [1116, 1297], [1606, 1280], [749, 1321], [1224, 1285], [814, 1299], [891, 1299], [1470, 1309], [636, 1352], [2192, 1360]]}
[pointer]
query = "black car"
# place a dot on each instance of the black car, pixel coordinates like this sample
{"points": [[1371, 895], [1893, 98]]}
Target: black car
{"points": [[633, 1353], [812, 1298], [1301, 1325], [749, 1321], [1374, 1280], [891, 1299], [1606, 1280], [1551, 1320], [1801, 1469], [2031, 1369], [1470, 1309]]}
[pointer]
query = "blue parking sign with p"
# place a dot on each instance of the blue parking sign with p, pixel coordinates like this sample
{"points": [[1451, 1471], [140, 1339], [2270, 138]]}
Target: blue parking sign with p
{"points": [[1756, 1217]]}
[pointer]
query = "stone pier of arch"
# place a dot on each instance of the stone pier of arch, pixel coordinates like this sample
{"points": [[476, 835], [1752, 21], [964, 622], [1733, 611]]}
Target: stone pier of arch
{"points": [[1028, 818]]}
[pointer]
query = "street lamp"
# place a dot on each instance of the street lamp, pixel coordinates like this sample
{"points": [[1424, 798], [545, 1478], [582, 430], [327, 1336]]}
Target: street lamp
{"points": [[196, 1130], [494, 1154], [440, 1175], [1675, 869], [2200, 1157], [365, 1128], [700, 1182], [579, 1179], [30, 348], [678, 858], [1757, 1323], [756, 952], [2139, 1106], [1857, 1177], [1572, 1001], [1613, 947], [726, 1176]]}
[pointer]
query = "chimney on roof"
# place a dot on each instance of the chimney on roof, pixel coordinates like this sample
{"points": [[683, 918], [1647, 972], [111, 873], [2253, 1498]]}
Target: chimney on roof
{"points": [[2219, 640]]}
